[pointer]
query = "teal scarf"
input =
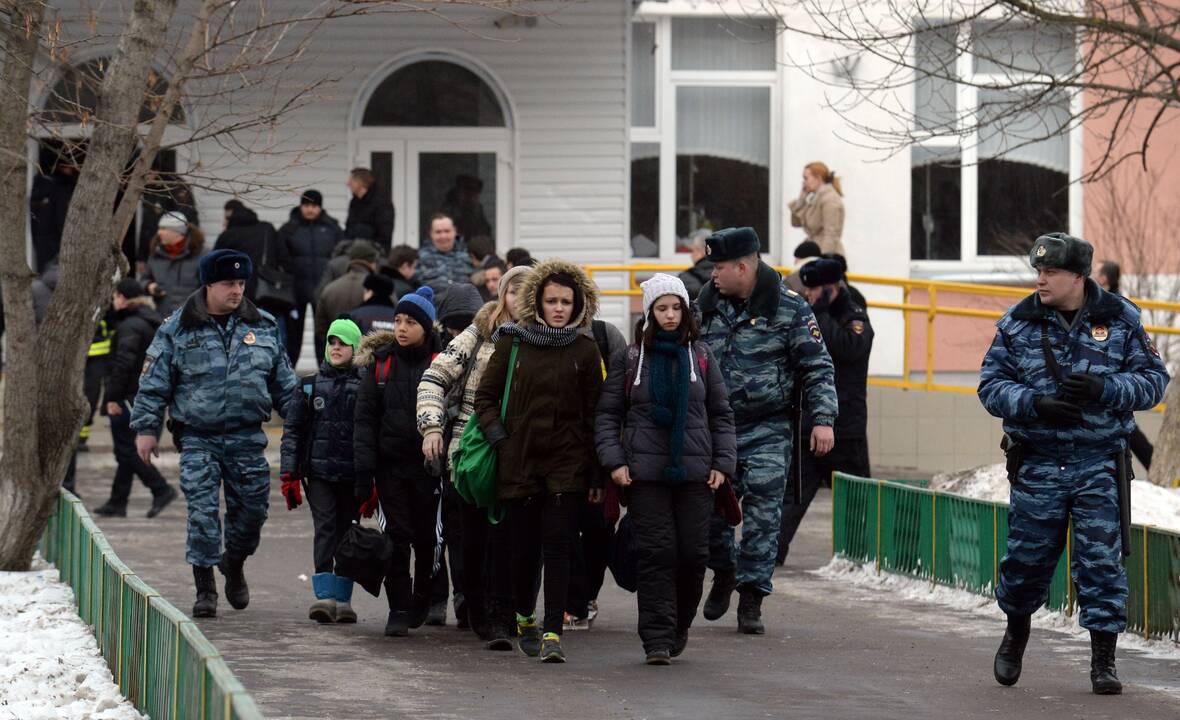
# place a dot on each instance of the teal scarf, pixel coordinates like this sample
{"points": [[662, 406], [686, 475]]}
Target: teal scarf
{"points": [[669, 397]]}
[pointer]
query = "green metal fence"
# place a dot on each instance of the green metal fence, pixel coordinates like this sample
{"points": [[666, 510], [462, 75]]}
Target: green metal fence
{"points": [[958, 541], [162, 662]]}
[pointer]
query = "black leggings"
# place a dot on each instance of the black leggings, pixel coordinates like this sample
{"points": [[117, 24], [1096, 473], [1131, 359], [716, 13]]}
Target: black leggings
{"points": [[543, 526], [410, 506]]}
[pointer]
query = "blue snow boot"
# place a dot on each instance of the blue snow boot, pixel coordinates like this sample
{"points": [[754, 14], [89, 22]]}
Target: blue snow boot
{"points": [[323, 610], [344, 611]]}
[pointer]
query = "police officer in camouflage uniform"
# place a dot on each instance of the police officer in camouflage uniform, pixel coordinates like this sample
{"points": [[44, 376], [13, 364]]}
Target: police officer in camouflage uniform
{"points": [[1068, 366], [764, 336], [219, 369]]}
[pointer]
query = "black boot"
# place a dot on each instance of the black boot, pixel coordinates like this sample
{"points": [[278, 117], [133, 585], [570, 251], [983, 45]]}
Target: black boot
{"points": [[162, 501], [1011, 653], [1102, 676], [398, 624], [717, 604], [750, 612], [236, 590], [206, 604], [501, 628], [419, 611], [111, 509]]}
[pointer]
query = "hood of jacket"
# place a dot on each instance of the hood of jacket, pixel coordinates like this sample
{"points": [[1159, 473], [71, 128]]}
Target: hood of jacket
{"points": [[460, 299], [483, 320], [243, 217], [530, 314], [143, 307], [379, 343]]}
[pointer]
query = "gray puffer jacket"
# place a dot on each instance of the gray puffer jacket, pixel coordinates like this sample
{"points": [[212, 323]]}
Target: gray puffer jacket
{"points": [[626, 435]]}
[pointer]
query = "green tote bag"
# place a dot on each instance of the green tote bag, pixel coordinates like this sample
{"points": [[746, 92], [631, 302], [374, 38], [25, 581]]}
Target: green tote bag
{"points": [[476, 464]]}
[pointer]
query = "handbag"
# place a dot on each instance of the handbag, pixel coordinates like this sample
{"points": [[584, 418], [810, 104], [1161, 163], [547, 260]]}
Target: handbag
{"points": [[476, 462], [362, 555], [276, 287]]}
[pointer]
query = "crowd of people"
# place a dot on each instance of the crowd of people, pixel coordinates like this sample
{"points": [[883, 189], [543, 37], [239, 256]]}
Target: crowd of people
{"points": [[498, 429]]}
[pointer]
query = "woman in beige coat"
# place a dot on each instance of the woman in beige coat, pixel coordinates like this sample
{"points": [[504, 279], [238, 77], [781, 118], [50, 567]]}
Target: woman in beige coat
{"points": [[819, 209]]}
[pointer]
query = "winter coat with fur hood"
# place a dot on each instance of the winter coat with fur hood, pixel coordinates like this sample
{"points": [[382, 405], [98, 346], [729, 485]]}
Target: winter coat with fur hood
{"points": [[447, 369], [546, 439], [386, 431]]}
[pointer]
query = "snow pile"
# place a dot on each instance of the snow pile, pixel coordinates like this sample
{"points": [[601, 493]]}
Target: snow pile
{"points": [[917, 590], [1150, 504], [50, 663]]}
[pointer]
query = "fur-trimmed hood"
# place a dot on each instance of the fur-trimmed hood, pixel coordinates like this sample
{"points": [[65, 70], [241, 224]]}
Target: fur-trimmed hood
{"points": [[483, 320], [527, 309], [379, 343], [369, 345]]}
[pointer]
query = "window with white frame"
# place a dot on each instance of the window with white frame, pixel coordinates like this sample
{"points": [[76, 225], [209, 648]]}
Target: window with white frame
{"points": [[703, 92], [989, 193]]}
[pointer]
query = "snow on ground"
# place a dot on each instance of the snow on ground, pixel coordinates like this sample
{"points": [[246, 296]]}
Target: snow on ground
{"points": [[912, 589], [1150, 504], [50, 663]]}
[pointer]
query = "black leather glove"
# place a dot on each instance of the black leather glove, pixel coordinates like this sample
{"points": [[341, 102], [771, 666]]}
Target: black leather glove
{"points": [[1056, 411], [1083, 387]]}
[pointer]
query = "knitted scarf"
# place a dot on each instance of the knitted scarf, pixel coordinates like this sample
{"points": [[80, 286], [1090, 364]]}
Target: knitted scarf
{"points": [[536, 334], [668, 380]]}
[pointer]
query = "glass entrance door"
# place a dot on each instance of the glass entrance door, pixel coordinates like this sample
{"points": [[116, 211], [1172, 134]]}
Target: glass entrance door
{"points": [[465, 179]]}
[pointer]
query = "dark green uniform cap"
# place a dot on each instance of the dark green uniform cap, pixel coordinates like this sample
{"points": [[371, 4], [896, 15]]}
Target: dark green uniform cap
{"points": [[1059, 250], [732, 244]]}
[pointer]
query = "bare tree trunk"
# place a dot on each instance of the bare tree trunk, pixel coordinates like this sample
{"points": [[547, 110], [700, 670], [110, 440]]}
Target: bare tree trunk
{"points": [[43, 404], [22, 492], [1165, 460]]}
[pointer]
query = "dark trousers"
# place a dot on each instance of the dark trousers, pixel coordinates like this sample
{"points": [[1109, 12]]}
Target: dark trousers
{"points": [[1141, 447], [129, 464], [543, 527], [452, 549], [591, 555], [92, 382], [672, 540], [410, 505], [332, 512], [475, 538], [849, 455], [294, 328]]}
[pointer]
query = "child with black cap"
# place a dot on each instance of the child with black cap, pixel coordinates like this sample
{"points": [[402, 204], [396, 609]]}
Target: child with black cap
{"points": [[317, 448], [388, 449]]}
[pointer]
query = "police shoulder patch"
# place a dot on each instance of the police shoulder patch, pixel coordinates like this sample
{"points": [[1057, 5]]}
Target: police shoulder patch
{"points": [[857, 326], [813, 328], [147, 365], [1150, 345]]}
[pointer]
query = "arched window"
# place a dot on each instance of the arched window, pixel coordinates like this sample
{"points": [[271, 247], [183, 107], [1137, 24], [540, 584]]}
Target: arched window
{"points": [[75, 96], [433, 93]]}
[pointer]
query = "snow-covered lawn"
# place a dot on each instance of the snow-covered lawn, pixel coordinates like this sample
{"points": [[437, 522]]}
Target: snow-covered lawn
{"points": [[50, 666], [1150, 504]]}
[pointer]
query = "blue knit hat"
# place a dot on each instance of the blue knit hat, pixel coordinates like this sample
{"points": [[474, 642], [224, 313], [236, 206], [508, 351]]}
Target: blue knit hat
{"points": [[419, 305]]}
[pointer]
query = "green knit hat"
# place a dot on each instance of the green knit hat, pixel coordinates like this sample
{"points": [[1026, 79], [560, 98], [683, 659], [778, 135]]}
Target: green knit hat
{"points": [[347, 331]]}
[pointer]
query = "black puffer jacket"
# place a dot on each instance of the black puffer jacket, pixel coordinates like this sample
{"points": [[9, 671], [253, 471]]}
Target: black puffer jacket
{"points": [[626, 435], [135, 326], [310, 245], [246, 233], [386, 432], [317, 434]]}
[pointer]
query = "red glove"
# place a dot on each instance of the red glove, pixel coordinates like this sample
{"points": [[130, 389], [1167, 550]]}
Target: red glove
{"points": [[292, 491], [369, 506]]}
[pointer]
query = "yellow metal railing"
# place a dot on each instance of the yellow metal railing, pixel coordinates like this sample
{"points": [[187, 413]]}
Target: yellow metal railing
{"points": [[931, 309]]}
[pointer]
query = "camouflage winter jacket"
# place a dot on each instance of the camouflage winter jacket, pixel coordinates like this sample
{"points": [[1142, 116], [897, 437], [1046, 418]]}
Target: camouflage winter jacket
{"points": [[211, 379], [762, 345], [1106, 339]]}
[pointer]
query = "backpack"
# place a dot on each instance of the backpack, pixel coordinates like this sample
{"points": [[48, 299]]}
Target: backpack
{"points": [[633, 367], [381, 370], [598, 328]]}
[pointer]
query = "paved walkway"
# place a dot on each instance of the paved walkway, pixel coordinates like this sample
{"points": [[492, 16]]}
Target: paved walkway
{"points": [[831, 651]]}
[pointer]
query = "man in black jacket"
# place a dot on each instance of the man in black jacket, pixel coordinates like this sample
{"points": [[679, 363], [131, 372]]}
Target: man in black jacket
{"points": [[244, 232], [369, 207], [849, 337], [701, 271], [136, 321]]}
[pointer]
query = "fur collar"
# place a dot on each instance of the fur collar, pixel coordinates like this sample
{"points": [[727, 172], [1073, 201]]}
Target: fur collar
{"points": [[526, 299], [195, 313], [483, 320], [763, 302], [379, 343], [1100, 306]]}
